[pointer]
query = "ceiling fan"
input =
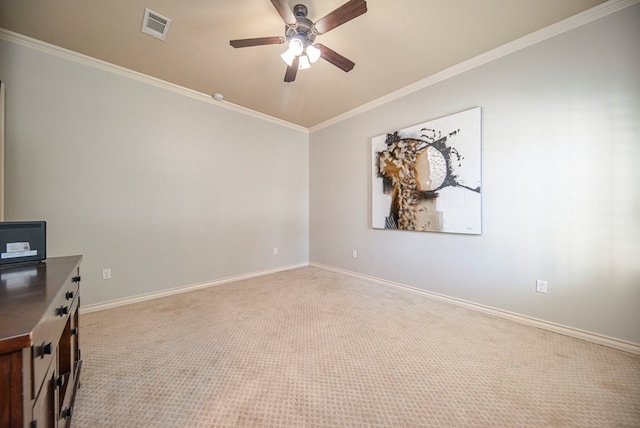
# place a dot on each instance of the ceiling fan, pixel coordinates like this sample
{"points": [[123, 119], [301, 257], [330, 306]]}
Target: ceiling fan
{"points": [[301, 34]]}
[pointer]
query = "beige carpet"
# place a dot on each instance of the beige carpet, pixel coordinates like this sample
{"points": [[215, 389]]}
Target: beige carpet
{"points": [[312, 348]]}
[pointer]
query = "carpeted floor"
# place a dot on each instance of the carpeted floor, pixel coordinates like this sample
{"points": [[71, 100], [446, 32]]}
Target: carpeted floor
{"points": [[313, 348]]}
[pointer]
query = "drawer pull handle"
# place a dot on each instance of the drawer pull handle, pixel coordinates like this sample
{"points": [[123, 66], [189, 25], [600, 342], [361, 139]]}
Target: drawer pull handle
{"points": [[66, 413], [74, 331], [63, 310], [75, 279], [68, 295], [59, 381], [45, 349]]}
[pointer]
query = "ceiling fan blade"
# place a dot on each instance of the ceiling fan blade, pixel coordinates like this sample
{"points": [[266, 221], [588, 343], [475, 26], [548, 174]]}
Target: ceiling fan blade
{"points": [[285, 12], [292, 70], [258, 41], [335, 58], [346, 12]]}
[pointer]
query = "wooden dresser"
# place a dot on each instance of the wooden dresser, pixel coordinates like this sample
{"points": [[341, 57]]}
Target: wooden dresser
{"points": [[39, 353]]}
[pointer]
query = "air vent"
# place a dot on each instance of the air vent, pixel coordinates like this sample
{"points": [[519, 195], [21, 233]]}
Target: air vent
{"points": [[155, 24]]}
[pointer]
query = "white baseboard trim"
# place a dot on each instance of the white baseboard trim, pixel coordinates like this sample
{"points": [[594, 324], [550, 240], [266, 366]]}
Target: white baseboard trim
{"points": [[599, 339], [184, 289]]}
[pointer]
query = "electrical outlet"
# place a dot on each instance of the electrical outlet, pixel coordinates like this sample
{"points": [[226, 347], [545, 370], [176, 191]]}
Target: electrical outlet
{"points": [[541, 286], [355, 254], [275, 251], [106, 273]]}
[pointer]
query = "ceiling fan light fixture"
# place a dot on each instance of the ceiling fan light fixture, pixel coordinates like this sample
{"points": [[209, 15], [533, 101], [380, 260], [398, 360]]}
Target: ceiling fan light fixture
{"points": [[288, 57], [313, 53], [304, 62], [296, 46]]}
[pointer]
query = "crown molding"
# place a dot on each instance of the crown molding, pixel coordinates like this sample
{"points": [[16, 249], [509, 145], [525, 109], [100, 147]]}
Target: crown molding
{"points": [[543, 34], [86, 60]]}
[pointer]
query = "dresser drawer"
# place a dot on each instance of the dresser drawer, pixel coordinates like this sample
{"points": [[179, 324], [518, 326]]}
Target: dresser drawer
{"points": [[44, 413], [47, 334]]}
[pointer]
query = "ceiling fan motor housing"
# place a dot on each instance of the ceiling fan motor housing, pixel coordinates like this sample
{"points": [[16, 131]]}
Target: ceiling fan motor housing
{"points": [[304, 28]]}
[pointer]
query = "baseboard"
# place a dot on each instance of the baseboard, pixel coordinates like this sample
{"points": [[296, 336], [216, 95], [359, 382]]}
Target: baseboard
{"points": [[599, 339], [184, 289], [611, 342]]}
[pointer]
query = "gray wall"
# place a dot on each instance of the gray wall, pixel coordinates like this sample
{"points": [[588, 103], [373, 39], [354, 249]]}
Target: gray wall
{"points": [[169, 191], [164, 189], [561, 196]]}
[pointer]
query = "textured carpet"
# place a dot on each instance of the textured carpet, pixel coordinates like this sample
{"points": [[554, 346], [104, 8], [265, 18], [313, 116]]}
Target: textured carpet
{"points": [[313, 348]]}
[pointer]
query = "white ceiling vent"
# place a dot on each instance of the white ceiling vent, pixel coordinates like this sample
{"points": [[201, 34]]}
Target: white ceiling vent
{"points": [[155, 24]]}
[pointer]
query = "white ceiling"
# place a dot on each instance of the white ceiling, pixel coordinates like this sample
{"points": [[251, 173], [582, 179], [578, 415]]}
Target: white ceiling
{"points": [[396, 43]]}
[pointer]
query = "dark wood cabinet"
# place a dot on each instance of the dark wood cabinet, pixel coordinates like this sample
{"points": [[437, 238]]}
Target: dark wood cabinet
{"points": [[40, 359]]}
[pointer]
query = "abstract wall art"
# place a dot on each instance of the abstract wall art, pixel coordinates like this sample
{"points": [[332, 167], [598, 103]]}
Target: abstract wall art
{"points": [[427, 177]]}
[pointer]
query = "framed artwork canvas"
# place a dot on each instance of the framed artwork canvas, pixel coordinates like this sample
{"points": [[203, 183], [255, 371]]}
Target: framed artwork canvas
{"points": [[427, 177]]}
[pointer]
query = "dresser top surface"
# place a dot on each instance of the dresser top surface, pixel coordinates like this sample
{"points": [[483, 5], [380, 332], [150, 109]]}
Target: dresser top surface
{"points": [[27, 291]]}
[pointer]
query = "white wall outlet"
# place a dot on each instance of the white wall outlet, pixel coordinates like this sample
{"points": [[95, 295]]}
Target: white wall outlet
{"points": [[106, 273], [275, 251], [541, 286], [355, 254]]}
